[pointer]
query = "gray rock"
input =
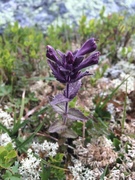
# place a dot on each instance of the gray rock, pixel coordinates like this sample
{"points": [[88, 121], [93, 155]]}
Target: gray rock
{"points": [[113, 73], [45, 12], [4, 1], [62, 8]]}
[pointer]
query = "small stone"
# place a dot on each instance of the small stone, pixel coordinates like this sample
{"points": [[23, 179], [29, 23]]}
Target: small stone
{"points": [[113, 73]]}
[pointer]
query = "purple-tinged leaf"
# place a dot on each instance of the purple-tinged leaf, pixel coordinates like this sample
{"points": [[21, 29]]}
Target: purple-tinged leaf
{"points": [[60, 98], [75, 114], [59, 108], [69, 133], [73, 89], [58, 127]]}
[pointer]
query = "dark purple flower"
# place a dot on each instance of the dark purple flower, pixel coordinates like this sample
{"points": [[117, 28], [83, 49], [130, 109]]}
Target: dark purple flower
{"points": [[67, 67], [88, 47]]}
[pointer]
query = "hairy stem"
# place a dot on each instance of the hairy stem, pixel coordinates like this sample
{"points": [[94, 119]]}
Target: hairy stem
{"points": [[66, 105]]}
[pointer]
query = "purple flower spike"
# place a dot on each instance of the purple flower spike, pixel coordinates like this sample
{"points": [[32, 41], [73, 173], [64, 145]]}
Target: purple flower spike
{"points": [[67, 67]]}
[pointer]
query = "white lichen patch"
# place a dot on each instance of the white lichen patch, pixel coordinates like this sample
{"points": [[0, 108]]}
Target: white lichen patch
{"points": [[6, 119], [98, 153], [128, 85], [80, 172], [5, 139], [40, 88], [47, 148], [30, 167]]}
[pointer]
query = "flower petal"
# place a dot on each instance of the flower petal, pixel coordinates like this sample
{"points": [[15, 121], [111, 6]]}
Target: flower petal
{"points": [[61, 54], [64, 69], [56, 72], [51, 54], [69, 57], [78, 61], [80, 75], [53, 66], [60, 77], [88, 47], [91, 60]]}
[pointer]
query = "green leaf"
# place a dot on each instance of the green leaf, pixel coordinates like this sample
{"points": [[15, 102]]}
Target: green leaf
{"points": [[77, 127], [2, 149], [45, 174], [14, 177], [7, 155], [9, 176], [4, 129], [57, 158], [102, 12], [15, 167], [12, 154], [9, 147], [104, 173], [17, 126], [5, 165], [116, 143], [5, 90], [102, 113]]}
